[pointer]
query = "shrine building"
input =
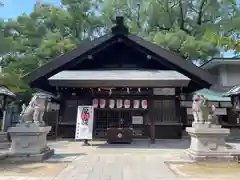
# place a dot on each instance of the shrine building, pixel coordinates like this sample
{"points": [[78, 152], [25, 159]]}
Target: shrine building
{"points": [[124, 77]]}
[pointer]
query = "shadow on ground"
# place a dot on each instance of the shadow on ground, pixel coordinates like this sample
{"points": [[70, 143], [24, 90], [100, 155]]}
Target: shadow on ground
{"points": [[145, 144], [64, 157], [31, 169]]}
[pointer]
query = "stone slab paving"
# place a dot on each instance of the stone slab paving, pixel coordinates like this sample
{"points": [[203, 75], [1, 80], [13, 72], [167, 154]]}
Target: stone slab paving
{"points": [[118, 167], [72, 161]]}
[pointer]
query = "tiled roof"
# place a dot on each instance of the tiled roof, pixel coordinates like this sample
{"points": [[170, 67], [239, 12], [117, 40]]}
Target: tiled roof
{"points": [[212, 95]]}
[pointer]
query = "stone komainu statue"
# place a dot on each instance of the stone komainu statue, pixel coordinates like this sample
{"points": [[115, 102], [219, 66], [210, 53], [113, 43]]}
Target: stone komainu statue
{"points": [[202, 112], [200, 108], [33, 113]]}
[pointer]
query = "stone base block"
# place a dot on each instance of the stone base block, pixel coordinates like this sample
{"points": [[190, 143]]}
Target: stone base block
{"points": [[29, 157], [29, 143], [200, 125], [208, 144], [221, 156], [215, 126]]}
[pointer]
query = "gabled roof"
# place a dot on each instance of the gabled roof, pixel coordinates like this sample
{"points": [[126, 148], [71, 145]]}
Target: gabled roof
{"points": [[121, 32], [214, 62]]}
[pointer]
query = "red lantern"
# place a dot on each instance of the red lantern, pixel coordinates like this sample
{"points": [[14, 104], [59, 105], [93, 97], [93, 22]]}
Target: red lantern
{"points": [[95, 103], [119, 103], [144, 104], [127, 103], [111, 103], [136, 104]]}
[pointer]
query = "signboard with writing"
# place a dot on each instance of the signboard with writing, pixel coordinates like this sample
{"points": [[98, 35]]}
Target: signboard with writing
{"points": [[84, 123], [137, 120], [164, 91]]}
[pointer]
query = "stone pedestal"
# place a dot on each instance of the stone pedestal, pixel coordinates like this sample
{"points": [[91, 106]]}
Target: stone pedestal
{"points": [[208, 143], [4, 143], [29, 143]]}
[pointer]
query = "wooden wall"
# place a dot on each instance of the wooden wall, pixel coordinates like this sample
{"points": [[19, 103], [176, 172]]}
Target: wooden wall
{"points": [[166, 111]]}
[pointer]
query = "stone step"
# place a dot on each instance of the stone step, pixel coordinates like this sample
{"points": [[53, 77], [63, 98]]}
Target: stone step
{"points": [[3, 155], [3, 137], [4, 145]]}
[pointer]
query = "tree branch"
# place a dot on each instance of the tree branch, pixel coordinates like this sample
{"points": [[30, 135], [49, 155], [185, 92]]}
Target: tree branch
{"points": [[182, 20], [163, 28], [181, 25], [168, 11], [200, 12]]}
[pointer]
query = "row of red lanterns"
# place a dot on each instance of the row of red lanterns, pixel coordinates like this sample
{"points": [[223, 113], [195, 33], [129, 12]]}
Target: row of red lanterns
{"points": [[119, 103]]}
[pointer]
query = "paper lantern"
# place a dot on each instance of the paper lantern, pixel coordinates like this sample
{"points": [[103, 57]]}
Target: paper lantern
{"points": [[144, 104], [119, 103], [136, 104], [127, 103], [102, 103], [111, 103], [95, 103]]}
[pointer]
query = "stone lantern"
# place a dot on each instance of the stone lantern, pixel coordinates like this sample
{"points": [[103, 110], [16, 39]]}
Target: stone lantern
{"points": [[6, 97], [234, 94]]}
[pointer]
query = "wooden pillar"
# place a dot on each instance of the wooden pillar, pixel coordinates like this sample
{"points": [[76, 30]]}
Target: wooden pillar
{"points": [[57, 123], [4, 110], [151, 116]]}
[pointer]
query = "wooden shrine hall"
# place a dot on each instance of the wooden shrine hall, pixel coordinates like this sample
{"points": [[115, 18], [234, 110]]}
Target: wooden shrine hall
{"points": [[125, 78]]}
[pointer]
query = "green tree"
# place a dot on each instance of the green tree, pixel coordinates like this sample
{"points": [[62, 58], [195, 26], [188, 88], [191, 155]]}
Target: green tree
{"points": [[47, 32], [182, 26], [193, 29]]}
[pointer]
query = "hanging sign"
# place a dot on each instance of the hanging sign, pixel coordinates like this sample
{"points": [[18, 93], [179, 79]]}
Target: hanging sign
{"points": [[127, 103], [144, 104], [95, 103], [111, 103], [164, 91], [102, 103], [84, 123]]}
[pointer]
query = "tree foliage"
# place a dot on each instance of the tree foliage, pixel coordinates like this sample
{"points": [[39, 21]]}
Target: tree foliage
{"points": [[193, 29]]}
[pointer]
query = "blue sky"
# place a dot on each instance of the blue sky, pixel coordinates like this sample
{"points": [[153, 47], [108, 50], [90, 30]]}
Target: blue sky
{"points": [[13, 8]]}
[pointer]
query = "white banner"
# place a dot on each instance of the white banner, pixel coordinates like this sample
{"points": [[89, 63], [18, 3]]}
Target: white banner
{"points": [[84, 124]]}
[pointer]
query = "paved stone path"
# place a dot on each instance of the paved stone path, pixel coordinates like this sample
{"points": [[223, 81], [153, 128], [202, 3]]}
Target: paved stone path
{"points": [[128, 166], [72, 161]]}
